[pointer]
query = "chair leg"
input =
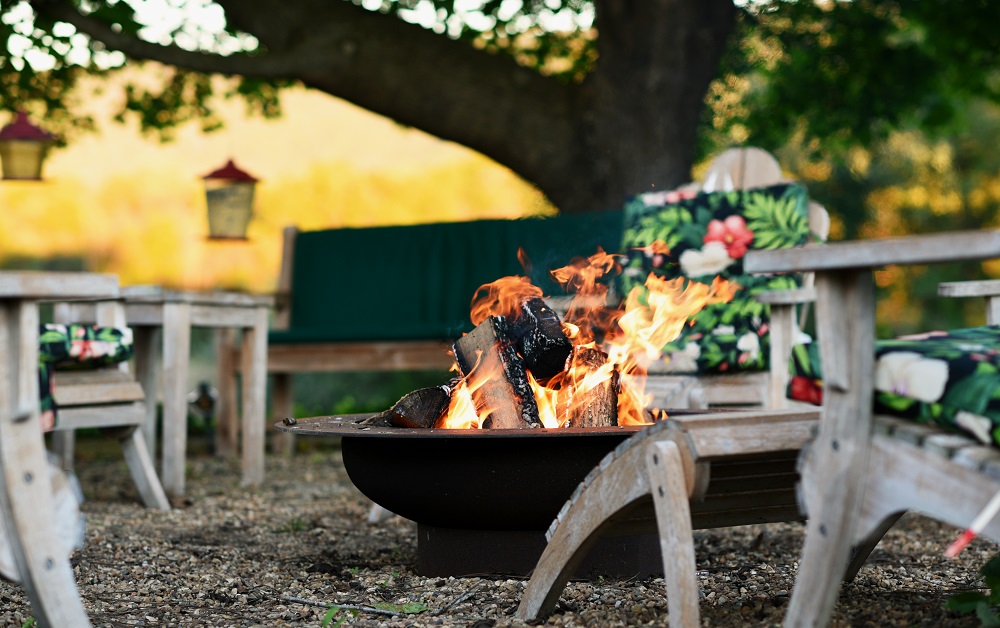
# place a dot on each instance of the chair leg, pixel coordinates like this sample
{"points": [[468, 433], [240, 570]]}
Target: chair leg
{"points": [[619, 482], [148, 360], [673, 519], [863, 550], [281, 400], [64, 446], [833, 476], [226, 422], [25, 498], [140, 465]]}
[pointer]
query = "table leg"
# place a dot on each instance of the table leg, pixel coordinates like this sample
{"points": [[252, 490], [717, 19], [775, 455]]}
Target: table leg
{"points": [[148, 357], [226, 426], [254, 369], [176, 353]]}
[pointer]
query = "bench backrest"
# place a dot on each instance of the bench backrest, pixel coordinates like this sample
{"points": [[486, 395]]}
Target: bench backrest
{"points": [[417, 282]]}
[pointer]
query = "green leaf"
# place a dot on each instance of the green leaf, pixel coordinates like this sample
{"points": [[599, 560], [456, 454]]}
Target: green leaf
{"points": [[965, 602], [991, 573], [329, 615], [986, 615]]}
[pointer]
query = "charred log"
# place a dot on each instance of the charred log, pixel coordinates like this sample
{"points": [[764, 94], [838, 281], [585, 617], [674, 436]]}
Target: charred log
{"points": [[540, 339], [490, 351], [418, 409], [598, 406]]}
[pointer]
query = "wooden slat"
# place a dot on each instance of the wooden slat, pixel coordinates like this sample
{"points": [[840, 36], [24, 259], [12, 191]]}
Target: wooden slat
{"points": [[91, 377], [985, 288], [946, 445], [792, 296], [914, 433], [105, 415], [865, 254], [903, 477], [42, 285], [357, 356], [67, 396], [755, 516], [748, 500], [744, 485], [722, 435]]}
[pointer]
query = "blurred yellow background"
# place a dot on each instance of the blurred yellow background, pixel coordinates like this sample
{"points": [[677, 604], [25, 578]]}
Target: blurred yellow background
{"points": [[133, 206]]}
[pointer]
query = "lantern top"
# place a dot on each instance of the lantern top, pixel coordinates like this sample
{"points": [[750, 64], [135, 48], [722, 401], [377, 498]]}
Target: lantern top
{"points": [[22, 129], [231, 172]]}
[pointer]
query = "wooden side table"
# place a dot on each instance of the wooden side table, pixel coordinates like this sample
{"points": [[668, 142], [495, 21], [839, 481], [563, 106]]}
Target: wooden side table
{"points": [[152, 311], [25, 495]]}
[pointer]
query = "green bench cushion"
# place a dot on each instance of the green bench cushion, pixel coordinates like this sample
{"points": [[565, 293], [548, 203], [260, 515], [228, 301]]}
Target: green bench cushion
{"points": [[949, 379], [416, 282], [76, 347], [707, 235]]}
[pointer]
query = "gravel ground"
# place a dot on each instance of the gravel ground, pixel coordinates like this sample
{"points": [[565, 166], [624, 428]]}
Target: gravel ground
{"points": [[271, 556]]}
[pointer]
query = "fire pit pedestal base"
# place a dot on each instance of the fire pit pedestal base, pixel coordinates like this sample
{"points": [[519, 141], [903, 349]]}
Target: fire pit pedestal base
{"points": [[514, 553]]}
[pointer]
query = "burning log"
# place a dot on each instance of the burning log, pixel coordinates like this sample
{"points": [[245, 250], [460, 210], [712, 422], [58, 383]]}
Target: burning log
{"points": [[596, 406], [420, 409], [487, 354], [540, 339]]}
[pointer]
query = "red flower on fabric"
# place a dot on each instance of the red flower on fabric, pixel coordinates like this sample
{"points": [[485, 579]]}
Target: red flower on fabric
{"points": [[733, 233], [807, 390]]}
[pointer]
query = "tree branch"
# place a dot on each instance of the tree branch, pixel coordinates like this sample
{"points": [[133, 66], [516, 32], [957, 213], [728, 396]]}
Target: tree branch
{"points": [[385, 65], [269, 67]]}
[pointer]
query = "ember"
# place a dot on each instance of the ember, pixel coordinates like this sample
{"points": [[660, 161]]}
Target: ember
{"points": [[524, 367]]}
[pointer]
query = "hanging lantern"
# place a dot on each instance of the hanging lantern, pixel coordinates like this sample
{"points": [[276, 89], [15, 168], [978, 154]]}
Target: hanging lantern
{"points": [[23, 147], [229, 192]]}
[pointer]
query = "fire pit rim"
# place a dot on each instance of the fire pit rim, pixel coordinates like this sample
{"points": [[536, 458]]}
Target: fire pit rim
{"points": [[349, 425]]}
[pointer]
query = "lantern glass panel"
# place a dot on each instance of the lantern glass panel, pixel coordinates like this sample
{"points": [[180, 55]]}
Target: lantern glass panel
{"points": [[230, 205], [22, 159]]}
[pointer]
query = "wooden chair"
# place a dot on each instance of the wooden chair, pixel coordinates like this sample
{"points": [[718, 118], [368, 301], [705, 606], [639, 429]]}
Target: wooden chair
{"points": [[743, 169], [25, 499], [858, 476], [688, 472], [862, 471], [109, 397]]}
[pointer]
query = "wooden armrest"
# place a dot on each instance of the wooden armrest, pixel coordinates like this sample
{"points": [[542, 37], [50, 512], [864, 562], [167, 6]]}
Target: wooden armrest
{"points": [[793, 296], [39, 285], [953, 246], [985, 288]]}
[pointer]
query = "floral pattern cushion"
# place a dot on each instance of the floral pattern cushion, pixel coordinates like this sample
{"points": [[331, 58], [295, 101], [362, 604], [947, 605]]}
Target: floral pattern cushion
{"points": [[950, 379], [67, 347], [699, 236]]}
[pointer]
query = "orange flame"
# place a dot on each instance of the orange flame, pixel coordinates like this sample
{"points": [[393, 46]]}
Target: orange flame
{"points": [[502, 297], [462, 412], [587, 310], [632, 337], [645, 328]]}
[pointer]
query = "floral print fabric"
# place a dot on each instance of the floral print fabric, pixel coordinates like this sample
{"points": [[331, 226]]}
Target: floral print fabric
{"points": [[699, 236], [950, 379], [66, 347]]}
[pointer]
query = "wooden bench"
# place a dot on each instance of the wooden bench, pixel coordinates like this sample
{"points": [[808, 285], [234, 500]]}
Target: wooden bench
{"points": [[396, 298]]}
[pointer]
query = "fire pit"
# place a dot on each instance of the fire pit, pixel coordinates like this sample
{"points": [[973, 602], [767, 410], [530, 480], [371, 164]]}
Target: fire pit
{"points": [[483, 499], [484, 463]]}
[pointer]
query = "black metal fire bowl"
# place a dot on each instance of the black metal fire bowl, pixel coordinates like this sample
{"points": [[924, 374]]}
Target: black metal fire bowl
{"points": [[483, 499], [469, 479]]}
